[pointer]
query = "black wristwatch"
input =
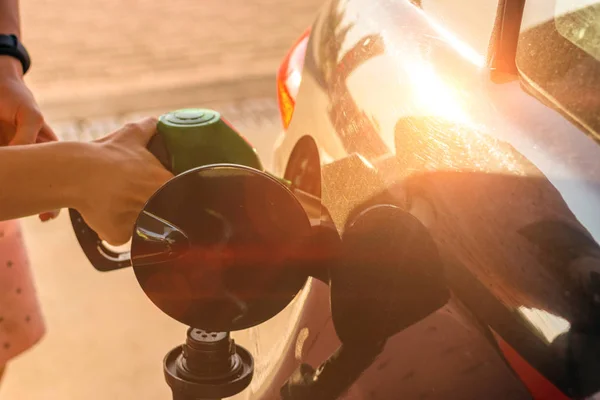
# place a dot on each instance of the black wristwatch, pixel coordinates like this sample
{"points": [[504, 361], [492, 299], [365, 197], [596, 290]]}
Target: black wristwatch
{"points": [[11, 46]]}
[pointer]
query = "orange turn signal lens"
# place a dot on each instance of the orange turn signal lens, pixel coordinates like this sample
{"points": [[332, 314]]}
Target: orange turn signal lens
{"points": [[289, 77]]}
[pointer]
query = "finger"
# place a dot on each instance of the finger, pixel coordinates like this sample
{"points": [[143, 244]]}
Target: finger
{"points": [[7, 132], [106, 138], [140, 132], [29, 124], [46, 134]]}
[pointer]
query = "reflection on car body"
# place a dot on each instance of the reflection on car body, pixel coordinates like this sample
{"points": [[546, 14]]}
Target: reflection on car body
{"points": [[499, 159]]}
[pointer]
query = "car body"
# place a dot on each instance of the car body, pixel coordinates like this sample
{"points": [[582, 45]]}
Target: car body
{"points": [[481, 119]]}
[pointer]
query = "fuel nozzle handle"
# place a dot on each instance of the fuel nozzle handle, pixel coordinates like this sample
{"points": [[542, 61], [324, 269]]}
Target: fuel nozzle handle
{"points": [[192, 138], [185, 139]]}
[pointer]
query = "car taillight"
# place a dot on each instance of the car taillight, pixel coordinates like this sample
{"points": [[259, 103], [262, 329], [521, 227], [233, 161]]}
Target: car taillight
{"points": [[289, 77]]}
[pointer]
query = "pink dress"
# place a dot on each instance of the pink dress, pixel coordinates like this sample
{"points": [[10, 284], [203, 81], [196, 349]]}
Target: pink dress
{"points": [[21, 321]]}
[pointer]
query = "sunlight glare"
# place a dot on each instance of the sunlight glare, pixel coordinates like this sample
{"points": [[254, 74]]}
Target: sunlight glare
{"points": [[460, 46], [549, 325], [432, 93]]}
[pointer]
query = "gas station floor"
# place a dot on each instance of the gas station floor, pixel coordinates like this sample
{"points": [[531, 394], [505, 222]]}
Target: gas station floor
{"points": [[120, 56], [96, 65]]}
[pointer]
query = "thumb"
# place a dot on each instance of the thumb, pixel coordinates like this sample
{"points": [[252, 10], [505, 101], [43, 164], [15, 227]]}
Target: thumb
{"points": [[139, 132], [46, 134], [29, 124]]}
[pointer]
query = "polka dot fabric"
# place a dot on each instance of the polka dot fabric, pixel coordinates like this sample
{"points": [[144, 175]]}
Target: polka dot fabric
{"points": [[21, 322]]}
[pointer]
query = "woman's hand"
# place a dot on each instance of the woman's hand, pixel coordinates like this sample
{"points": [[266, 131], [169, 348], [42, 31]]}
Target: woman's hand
{"points": [[21, 121], [122, 176]]}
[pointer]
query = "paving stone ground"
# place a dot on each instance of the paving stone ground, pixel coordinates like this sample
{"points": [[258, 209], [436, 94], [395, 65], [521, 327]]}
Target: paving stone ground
{"points": [[112, 56]]}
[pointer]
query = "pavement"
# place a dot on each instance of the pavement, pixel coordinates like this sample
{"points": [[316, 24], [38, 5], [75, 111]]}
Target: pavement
{"points": [[117, 56], [96, 65]]}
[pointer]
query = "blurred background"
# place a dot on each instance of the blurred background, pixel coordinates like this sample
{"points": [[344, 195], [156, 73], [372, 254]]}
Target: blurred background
{"points": [[97, 64]]}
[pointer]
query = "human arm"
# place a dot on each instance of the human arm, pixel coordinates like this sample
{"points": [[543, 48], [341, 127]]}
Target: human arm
{"points": [[43, 177], [21, 121], [10, 23], [108, 181]]}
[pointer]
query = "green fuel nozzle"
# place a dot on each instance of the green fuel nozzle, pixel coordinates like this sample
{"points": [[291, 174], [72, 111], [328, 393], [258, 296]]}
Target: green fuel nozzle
{"points": [[193, 137]]}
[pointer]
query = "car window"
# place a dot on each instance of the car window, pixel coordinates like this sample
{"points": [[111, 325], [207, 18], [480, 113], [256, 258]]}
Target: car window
{"points": [[558, 57], [472, 23], [577, 21]]}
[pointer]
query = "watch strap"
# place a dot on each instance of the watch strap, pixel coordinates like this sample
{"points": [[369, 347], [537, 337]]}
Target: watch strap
{"points": [[11, 46]]}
